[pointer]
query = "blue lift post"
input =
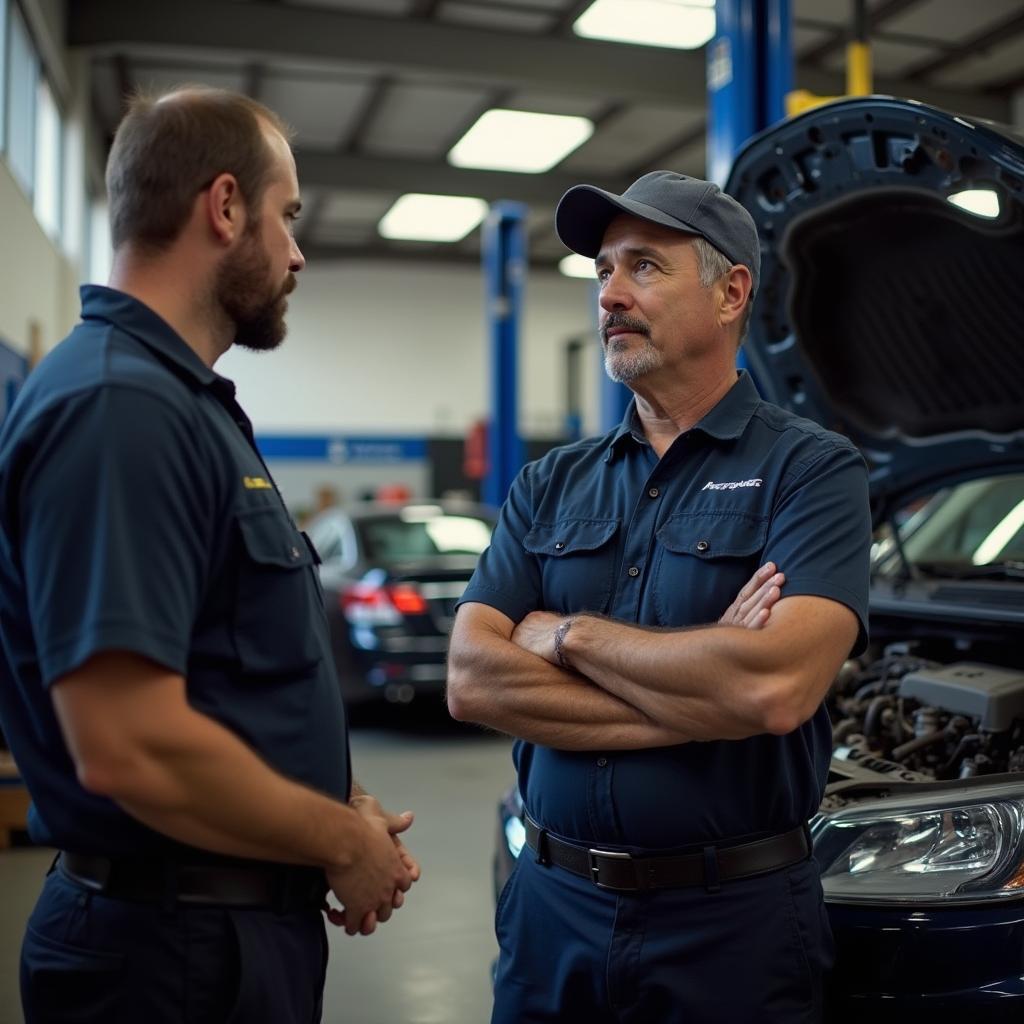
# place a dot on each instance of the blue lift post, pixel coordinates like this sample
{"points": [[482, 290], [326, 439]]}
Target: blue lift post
{"points": [[504, 258], [749, 72]]}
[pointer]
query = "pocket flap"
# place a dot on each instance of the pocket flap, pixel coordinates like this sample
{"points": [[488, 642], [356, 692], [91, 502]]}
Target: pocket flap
{"points": [[569, 535], [718, 535], [271, 540]]}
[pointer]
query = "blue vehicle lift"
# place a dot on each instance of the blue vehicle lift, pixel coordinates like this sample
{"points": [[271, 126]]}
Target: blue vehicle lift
{"points": [[503, 245], [750, 73]]}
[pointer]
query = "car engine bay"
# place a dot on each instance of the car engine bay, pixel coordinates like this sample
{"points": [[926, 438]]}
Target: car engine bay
{"points": [[904, 718]]}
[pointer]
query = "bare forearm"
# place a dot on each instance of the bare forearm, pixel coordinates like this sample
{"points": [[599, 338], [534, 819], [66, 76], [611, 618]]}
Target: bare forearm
{"points": [[206, 788], [693, 681], [726, 682], [495, 683]]}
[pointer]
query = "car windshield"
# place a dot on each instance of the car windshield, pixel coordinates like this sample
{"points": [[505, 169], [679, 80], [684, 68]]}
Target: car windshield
{"points": [[974, 528], [412, 533]]}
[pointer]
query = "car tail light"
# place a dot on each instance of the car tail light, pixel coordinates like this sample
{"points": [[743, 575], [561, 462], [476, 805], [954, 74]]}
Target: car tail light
{"points": [[371, 605], [407, 599]]}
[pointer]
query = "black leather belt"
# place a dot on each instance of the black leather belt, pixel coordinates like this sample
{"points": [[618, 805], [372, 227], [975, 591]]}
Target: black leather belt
{"points": [[251, 885], [623, 872]]}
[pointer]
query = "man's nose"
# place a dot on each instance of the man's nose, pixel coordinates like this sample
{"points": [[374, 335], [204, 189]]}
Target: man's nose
{"points": [[615, 293], [298, 261]]}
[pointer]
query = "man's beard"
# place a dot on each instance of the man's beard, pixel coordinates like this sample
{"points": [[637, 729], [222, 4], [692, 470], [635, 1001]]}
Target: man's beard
{"points": [[242, 293], [622, 362]]}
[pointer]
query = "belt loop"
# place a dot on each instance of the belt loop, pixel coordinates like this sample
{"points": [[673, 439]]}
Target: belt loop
{"points": [[808, 840], [711, 880], [542, 857]]}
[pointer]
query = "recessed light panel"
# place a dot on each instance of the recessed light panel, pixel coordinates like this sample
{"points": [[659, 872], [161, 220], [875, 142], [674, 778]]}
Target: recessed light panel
{"points": [[426, 218], [679, 24], [519, 140]]}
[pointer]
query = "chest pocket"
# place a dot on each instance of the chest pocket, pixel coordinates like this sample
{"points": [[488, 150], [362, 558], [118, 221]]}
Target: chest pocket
{"points": [[277, 604], [702, 561], [577, 562]]}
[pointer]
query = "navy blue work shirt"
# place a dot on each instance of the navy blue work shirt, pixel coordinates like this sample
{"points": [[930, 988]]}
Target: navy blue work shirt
{"points": [[604, 526], [136, 515]]}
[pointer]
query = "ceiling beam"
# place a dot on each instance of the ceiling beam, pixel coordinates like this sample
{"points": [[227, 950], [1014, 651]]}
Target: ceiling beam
{"points": [[332, 170], [262, 31], [266, 31], [321, 253]]}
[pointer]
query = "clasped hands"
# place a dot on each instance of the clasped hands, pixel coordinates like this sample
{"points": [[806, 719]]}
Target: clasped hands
{"points": [[751, 609]]}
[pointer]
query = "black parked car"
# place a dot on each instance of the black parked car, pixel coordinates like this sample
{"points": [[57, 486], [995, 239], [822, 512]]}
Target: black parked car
{"points": [[391, 576], [891, 310]]}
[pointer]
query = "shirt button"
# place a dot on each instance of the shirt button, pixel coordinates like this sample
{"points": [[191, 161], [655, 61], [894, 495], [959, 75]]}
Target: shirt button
{"points": [[654, 492], [702, 545], [294, 553], [634, 571], [559, 544], [602, 761]]}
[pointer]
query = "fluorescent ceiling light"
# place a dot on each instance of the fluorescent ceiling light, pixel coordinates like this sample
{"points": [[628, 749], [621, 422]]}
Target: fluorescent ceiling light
{"points": [[982, 202], [680, 24], [518, 140], [575, 265], [426, 218]]}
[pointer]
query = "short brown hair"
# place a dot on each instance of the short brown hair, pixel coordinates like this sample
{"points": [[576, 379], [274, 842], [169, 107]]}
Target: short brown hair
{"points": [[169, 147]]}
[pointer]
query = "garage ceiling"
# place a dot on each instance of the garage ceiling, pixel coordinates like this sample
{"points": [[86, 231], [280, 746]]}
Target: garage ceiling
{"points": [[379, 90]]}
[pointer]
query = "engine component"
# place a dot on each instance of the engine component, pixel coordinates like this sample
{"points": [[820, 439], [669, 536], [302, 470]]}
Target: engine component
{"points": [[994, 696]]}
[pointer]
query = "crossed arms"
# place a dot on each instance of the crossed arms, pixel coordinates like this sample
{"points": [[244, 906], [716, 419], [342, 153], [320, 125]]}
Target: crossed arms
{"points": [[764, 668]]}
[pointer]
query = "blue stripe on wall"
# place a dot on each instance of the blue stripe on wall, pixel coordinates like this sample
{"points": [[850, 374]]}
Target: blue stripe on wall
{"points": [[342, 449]]}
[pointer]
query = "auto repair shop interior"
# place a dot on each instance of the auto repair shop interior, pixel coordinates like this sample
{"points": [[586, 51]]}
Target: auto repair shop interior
{"points": [[442, 336]]}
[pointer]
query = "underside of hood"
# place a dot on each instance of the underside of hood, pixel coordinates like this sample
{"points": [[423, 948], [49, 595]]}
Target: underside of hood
{"points": [[887, 311]]}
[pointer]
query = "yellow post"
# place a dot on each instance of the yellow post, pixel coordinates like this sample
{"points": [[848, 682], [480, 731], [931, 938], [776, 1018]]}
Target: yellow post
{"points": [[858, 69]]}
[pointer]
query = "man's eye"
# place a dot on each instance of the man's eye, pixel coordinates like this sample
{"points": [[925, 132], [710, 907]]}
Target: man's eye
{"points": [[643, 265]]}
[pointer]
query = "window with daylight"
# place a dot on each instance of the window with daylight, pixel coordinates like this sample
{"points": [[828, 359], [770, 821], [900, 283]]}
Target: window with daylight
{"points": [[3, 75], [49, 161], [22, 88]]}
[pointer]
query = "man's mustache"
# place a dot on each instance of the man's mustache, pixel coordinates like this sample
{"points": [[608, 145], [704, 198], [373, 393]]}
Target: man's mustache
{"points": [[623, 320]]}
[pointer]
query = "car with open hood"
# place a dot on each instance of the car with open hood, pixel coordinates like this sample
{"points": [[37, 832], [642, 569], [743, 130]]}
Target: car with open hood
{"points": [[892, 238]]}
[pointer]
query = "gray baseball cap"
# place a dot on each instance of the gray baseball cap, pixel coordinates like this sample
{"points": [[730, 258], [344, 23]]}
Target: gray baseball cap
{"points": [[674, 200]]}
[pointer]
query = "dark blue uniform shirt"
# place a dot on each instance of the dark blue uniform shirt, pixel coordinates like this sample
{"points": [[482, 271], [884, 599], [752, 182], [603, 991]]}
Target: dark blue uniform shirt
{"points": [[136, 515], [603, 525]]}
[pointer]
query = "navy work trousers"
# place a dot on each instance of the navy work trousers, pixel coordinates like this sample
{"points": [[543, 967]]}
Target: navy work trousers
{"points": [[86, 957], [755, 950]]}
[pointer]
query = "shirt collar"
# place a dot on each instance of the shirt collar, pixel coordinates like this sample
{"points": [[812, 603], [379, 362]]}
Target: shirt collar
{"points": [[137, 319], [725, 421]]}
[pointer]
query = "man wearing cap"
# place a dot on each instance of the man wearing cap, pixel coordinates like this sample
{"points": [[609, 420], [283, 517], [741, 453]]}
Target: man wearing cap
{"points": [[668, 757]]}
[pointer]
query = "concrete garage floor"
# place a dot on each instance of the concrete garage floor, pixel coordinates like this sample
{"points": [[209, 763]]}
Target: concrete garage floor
{"points": [[431, 963]]}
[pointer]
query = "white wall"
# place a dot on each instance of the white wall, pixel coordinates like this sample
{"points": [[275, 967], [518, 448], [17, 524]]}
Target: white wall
{"points": [[38, 284], [403, 348]]}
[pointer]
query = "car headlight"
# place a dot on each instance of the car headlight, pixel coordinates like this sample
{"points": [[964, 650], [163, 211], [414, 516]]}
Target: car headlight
{"points": [[965, 845]]}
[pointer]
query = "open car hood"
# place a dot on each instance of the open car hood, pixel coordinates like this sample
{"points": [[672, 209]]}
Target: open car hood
{"points": [[886, 311]]}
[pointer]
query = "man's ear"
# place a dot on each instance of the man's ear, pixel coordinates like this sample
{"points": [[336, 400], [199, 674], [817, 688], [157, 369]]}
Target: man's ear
{"points": [[224, 208], [736, 287]]}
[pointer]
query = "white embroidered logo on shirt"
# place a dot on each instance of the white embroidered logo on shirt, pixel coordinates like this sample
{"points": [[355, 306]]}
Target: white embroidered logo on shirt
{"points": [[732, 484]]}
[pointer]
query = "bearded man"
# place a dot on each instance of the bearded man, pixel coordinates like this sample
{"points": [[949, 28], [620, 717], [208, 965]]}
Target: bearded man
{"points": [[167, 685]]}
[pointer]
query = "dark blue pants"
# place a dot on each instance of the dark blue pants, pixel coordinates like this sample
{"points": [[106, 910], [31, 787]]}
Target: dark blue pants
{"points": [[754, 951], [89, 958]]}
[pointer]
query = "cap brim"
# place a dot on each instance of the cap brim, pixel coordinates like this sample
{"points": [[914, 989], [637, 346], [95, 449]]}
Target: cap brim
{"points": [[585, 211]]}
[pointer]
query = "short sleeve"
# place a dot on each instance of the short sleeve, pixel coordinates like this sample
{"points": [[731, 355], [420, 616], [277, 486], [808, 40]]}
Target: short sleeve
{"points": [[820, 533], [507, 576], [115, 521]]}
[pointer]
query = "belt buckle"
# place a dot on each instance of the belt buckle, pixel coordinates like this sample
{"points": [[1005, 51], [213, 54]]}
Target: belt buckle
{"points": [[595, 869]]}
